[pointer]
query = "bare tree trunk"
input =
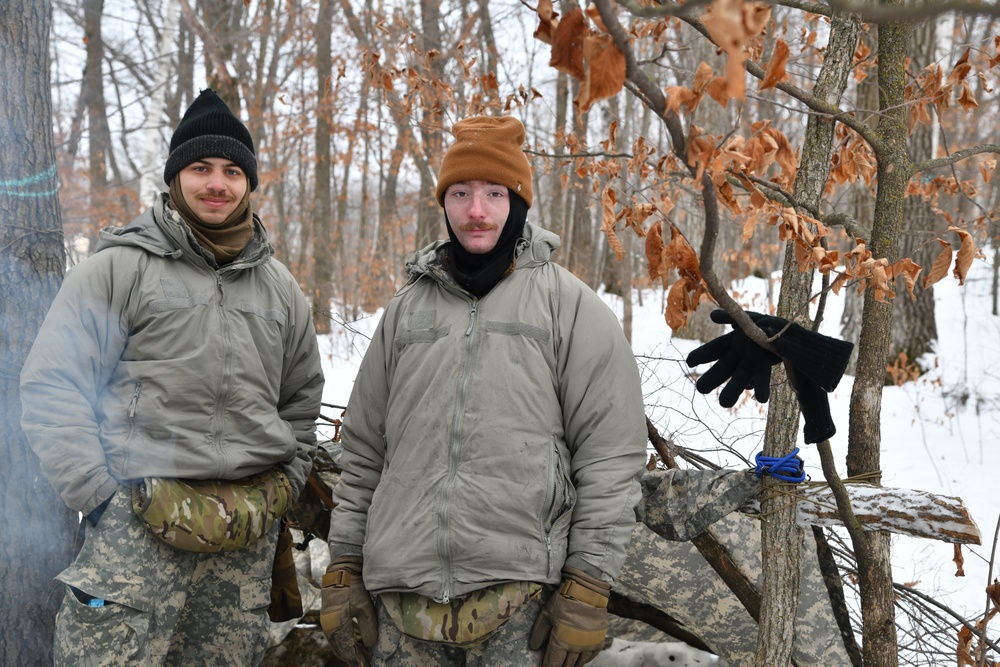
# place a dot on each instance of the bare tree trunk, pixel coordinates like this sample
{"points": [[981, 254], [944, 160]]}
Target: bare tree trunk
{"points": [[36, 528], [914, 329], [322, 273], [185, 92], [429, 217], [781, 538], [99, 141], [221, 35], [489, 45], [557, 193], [863, 204], [579, 233], [373, 285], [879, 640]]}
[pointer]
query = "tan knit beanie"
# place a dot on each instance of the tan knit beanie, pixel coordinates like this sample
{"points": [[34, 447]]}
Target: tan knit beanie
{"points": [[487, 148]]}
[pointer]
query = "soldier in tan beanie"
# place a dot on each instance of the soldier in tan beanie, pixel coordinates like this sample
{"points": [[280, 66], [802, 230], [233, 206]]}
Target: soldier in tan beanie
{"points": [[492, 445]]}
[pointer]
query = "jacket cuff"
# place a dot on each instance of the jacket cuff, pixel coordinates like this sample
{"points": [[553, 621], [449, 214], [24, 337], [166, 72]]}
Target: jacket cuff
{"points": [[576, 561], [105, 490], [339, 549]]}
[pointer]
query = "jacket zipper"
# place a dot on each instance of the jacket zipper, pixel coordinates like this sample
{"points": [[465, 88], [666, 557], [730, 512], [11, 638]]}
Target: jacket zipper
{"points": [[453, 455], [225, 380], [550, 511]]}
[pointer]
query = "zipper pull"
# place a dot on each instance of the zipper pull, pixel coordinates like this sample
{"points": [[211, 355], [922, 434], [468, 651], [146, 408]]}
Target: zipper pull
{"points": [[472, 319], [135, 400]]}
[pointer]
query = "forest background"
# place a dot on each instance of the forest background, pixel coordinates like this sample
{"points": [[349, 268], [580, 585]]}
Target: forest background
{"points": [[851, 141]]}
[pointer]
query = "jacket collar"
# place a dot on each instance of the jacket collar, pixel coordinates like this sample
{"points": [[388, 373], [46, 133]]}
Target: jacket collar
{"points": [[159, 230], [533, 249]]}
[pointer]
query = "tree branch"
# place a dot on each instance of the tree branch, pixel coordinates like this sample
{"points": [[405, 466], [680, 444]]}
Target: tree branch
{"points": [[955, 157]]}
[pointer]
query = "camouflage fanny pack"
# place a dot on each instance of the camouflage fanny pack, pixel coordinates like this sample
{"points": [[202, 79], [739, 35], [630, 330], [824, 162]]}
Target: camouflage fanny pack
{"points": [[460, 622], [211, 515]]}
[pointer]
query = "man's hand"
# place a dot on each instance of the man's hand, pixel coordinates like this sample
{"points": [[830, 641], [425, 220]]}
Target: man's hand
{"points": [[573, 624], [348, 616]]}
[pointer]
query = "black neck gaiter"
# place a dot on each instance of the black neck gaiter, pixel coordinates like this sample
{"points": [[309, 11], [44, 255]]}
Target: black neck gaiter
{"points": [[478, 274]]}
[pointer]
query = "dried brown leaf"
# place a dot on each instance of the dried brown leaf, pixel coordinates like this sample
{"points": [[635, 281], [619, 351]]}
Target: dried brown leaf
{"points": [[961, 69], [682, 256], [718, 90], [702, 77], [595, 15], [605, 75], [966, 99], [640, 213], [567, 44], [732, 24], [987, 168], [701, 150], [682, 300], [939, 269], [608, 219], [678, 96], [907, 268], [964, 648], [967, 253], [775, 72], [993, 591], [545, 30], [654, 251]]}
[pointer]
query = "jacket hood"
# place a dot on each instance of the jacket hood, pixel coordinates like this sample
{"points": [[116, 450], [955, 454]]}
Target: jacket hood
{"points": [[161, 231], [533, 249]]}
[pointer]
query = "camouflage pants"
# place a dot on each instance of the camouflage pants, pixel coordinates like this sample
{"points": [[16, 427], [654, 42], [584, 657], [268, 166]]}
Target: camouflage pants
{"points": [[163, 606], [507, 647]]}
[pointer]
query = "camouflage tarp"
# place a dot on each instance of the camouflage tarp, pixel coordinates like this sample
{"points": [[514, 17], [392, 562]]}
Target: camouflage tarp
{"points": [[674, 577]]}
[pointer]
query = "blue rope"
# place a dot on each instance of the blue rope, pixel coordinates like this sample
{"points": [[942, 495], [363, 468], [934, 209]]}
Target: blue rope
{"points": [[788, 468]]}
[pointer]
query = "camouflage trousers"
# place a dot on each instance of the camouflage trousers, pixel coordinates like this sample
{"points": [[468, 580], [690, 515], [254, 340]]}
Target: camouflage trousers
{"points": [[507, 647], [162, 606]]}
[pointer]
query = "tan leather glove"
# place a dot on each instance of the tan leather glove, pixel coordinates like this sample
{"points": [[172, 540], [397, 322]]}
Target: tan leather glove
{"points": [[574, 622], [348, 616]]}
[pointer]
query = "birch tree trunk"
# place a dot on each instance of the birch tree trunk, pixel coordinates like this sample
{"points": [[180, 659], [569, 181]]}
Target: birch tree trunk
{"points": [[150, 180]]}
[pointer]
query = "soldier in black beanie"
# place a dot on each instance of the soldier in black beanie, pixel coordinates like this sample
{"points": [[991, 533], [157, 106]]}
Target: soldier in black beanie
{"points": [[171, 396], [210, 172]]}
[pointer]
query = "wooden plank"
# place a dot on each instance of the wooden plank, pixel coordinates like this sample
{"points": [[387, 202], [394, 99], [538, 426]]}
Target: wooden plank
{"points": [[905, 511]]}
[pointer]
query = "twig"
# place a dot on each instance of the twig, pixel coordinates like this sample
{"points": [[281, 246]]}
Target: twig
{"points": [[986, 614]]}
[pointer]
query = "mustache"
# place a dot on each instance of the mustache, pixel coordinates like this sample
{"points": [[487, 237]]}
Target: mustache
{"points": [[477, 226]]}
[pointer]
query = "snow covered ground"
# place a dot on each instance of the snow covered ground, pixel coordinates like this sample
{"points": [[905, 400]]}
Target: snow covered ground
{"points": [[940, 434]]}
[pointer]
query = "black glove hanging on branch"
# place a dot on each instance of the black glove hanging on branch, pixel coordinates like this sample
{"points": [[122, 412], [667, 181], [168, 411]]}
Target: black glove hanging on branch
{"points": [[815, 364], [739, 360]]}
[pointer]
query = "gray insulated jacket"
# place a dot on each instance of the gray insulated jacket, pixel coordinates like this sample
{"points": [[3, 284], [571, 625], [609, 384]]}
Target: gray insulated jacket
{"points": [[491, 440], [152, 362]]}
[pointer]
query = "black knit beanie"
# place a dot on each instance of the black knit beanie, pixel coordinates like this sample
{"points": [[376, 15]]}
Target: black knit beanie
{"points": [[210, 129]]}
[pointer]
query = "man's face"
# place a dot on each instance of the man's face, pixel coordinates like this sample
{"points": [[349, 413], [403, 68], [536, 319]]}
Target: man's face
{"points": [[477, 211], [213, 187]]}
